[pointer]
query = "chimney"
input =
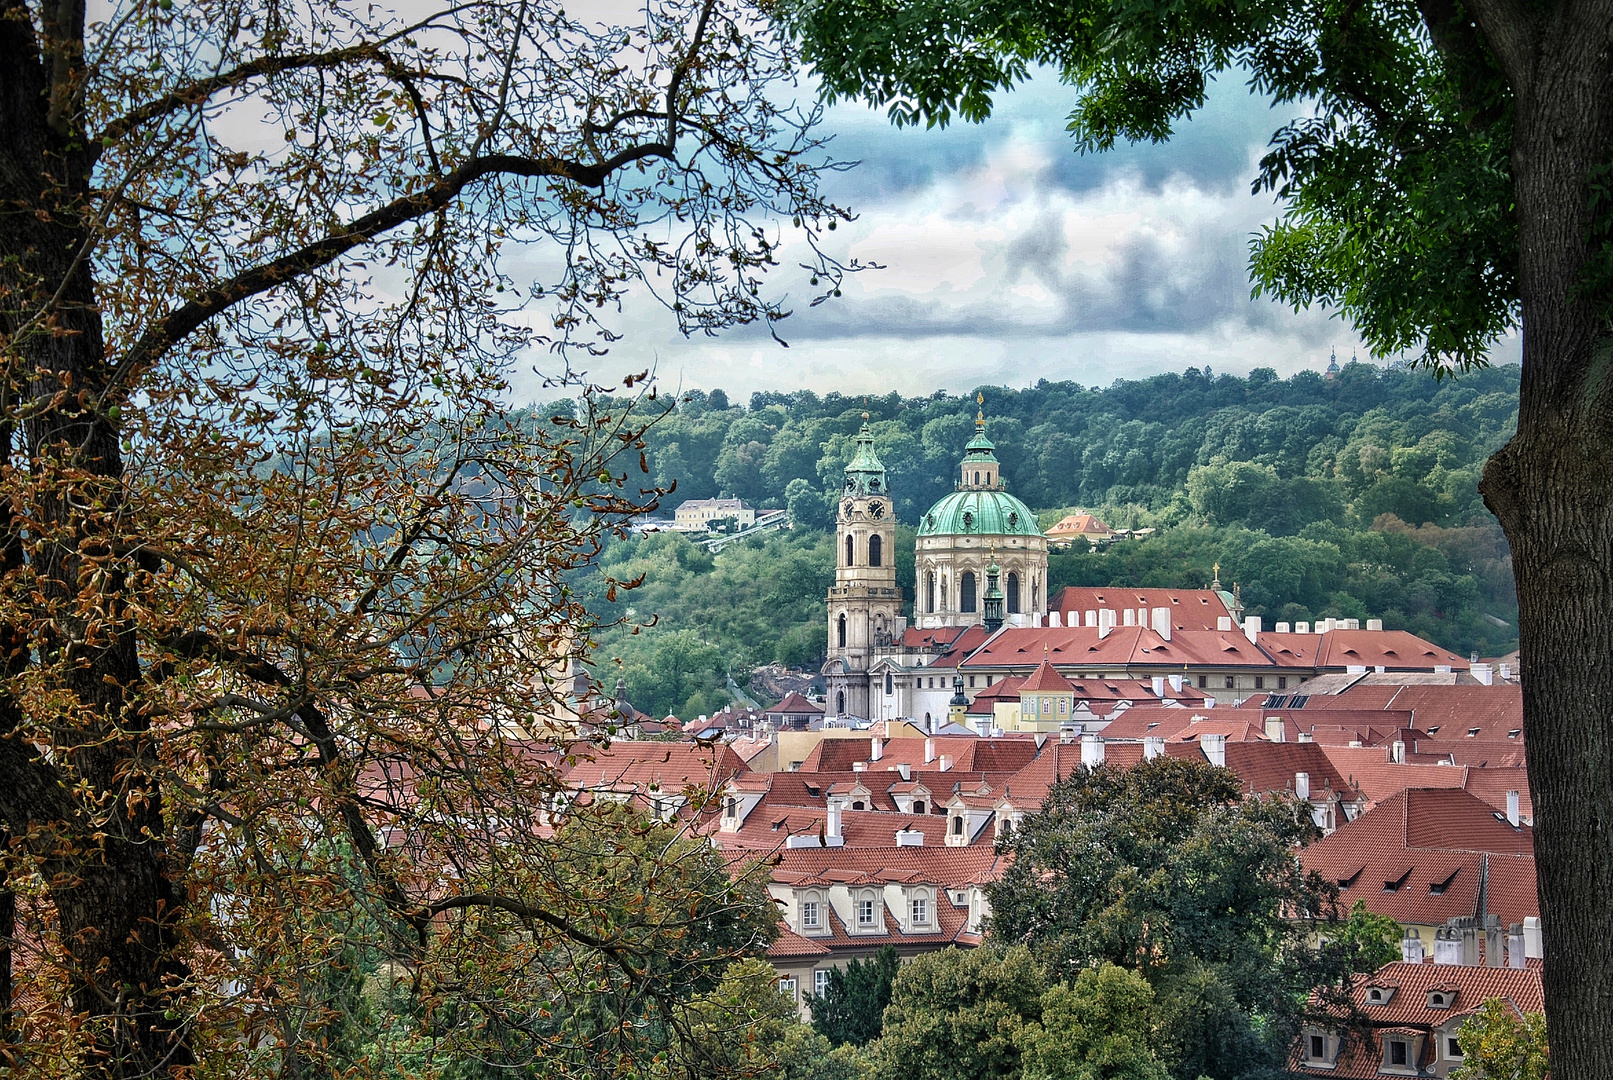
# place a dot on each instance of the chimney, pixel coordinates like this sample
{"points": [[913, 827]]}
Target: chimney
{"points": [[1302, 628], [1106, 622], [1469, 937], [946, 762], [1282, 628], [1162, 622], [1091, 751], [1515, 946], [1447, 946], [1128, 617], [1302, 785], [1411, 947], [1505, 671], [905, 770], [929, 751], [1352, 624], [876, 749], [1153, 747], [1092, 618], [1274, 728], [1397, 752], [1224, 623], [1324, 625], [909, 838], [1481, 672], [1251, 627], [1055, 618], [1306, 736], [1067, 733], [1159, 686], [1176, 683], [1215, 749], [1532, 943], [1512, 809], [1374, 624], [1493, 937], [833, 835]]}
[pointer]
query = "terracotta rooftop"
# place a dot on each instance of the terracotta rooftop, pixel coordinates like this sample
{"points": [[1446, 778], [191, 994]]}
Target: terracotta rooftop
{"points": [[795, 704], [1191, 609]]}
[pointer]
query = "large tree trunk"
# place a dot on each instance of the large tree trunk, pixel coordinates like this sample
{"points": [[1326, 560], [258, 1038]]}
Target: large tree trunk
{"points": [[1551, 487], [114, 907]]}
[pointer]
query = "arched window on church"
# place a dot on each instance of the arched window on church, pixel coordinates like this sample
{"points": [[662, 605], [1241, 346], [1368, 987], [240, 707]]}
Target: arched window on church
{"points": [[977, 478], [841, 636], [1013, 593], [929, 588], [851, 551], [840, 695], [888, 682], [875, 552], [966, 591]]}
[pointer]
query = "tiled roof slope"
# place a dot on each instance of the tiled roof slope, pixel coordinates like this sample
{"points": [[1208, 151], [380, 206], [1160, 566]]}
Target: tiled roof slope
{"points": [[1191, 609], [643, 766], [794, 703], [1418, 856], [1447, 713]]}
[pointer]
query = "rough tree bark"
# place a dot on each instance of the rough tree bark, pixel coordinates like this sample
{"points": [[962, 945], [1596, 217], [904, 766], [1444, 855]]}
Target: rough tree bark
{"points": [[115, 904], [1549, 486]]}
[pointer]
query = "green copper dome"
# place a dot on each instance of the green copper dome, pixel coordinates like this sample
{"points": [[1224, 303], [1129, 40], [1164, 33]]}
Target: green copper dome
{"points": [[866, 473], [979, 513]]}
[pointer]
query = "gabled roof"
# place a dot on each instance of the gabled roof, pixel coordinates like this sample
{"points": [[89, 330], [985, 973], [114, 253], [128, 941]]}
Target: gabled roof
{"points": [[794, 703], [1045, 679], [1417, 857]]}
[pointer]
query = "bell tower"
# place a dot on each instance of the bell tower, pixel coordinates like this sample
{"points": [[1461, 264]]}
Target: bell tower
{"points": [[865, 606]]}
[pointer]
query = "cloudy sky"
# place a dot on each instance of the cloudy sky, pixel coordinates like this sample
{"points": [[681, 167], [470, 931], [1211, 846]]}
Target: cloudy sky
{"points": [[1009, 258]]}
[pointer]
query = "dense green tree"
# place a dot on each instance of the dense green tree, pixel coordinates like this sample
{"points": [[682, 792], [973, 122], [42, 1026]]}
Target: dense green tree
{"points": [[852, 1006], [957, 1015], [1164, 869], [1501, 1044], [1102, 1026]]}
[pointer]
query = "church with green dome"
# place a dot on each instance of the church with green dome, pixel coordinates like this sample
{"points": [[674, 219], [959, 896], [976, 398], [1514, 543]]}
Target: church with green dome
{"points": [[979, 559], [967, 532]]}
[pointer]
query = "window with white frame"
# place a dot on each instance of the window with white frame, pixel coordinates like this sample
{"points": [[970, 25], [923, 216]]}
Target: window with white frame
{"points": [[921, 910], [787, 988], [820, 981], [865, 911], [811, 914]]}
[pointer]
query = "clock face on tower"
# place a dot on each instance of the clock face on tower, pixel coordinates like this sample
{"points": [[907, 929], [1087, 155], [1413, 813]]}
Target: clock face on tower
{"points": [[876, 509]]}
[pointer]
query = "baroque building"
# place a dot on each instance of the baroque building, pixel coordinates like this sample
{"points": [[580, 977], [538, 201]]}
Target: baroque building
{"points": [[865, 605], [980, 560]]}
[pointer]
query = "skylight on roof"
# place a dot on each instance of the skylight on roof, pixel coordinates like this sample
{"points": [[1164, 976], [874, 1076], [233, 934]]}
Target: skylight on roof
{"points": [[1473, 731]]}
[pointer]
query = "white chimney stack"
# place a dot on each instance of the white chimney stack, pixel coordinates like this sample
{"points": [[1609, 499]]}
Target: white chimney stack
{"points": [[1411, 947], [1128, 617], [1106, 622], [909, 838], [1447, 946], [1224, 623], [1374, 624], [1091, 751], [1274, 729], [1302, 628], [834, 837], [1505, 671], [1512, 809], [1159, 685], [1251, 627], [1282, 628], [1092, 618], [1153, 747], [876, 749], [946, 762], [1397, 752], [1302, 785], [1516, 947], [1533, 946], [1176, 683], [905, 770], [1162, 622], [1053, 618], [1215, 749], [929, 751], [1482, 674]]}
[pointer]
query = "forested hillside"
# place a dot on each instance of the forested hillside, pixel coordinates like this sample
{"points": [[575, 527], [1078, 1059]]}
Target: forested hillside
{"points": [[1350, 497]]}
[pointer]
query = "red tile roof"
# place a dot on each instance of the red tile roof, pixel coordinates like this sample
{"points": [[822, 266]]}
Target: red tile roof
{"points": [[1446, 713], [1191, 609], [647, 766], [1046, 679], [1395, 650], [1124, 646], [1418, 856], [796, 704]]}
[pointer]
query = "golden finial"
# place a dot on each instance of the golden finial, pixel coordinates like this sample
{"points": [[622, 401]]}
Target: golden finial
{"points": [[865, 416], [980, 414]]}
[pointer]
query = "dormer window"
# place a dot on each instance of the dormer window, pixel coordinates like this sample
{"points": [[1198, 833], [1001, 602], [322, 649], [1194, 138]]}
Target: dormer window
{"points": [[1380, 995], [921, 911], [865, 912], [918, 806], [811, 915], [1440, 999], [957, 825], [731, 807]]}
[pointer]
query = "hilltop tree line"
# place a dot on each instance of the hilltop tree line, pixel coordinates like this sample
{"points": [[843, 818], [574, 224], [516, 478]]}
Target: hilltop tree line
{"points": [[1353, 497]]}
